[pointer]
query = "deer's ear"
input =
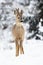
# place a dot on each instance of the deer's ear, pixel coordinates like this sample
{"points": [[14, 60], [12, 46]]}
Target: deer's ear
{"points": [[14, 11], [21, 11]]}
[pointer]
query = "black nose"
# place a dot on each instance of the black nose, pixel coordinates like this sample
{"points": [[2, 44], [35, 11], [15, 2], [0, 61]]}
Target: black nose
{"points": [[21, 21]]}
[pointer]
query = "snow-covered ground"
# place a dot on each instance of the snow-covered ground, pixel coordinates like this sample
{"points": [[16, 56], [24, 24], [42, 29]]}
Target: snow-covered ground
{"points": [[33, 54]]}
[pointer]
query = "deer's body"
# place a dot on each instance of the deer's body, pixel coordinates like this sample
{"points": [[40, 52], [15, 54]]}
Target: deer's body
{"points": [[18, 34]]}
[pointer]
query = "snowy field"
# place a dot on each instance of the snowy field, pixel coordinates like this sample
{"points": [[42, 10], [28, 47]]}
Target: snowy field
{"points": [[33, 54]]}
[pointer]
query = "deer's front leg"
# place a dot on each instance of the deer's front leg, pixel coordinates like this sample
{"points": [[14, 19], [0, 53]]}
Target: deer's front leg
{"points": [[17, 48], [21, 48]]}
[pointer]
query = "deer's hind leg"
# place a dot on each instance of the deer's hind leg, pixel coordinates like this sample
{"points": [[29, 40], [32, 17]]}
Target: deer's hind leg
{"points": [[21, 47], [17, 48]]}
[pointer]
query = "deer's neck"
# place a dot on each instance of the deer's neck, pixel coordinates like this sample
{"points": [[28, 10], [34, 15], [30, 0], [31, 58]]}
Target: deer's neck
{"points": [[18, 23]]}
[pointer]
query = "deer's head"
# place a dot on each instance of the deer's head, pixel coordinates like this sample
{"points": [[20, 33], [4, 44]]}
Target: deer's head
{"points": [[18, 14]]}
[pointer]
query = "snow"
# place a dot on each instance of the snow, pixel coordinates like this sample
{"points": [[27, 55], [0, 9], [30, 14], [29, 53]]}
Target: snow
{"points": [[2, 1], [33, 54]]}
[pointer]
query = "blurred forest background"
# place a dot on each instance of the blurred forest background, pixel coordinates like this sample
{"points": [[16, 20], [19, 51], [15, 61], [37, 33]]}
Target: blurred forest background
{"points": [[32, 18]]}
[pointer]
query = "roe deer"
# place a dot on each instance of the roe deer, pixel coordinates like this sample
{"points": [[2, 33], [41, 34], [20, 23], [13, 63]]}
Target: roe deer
{"points": [[18, 32]]}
